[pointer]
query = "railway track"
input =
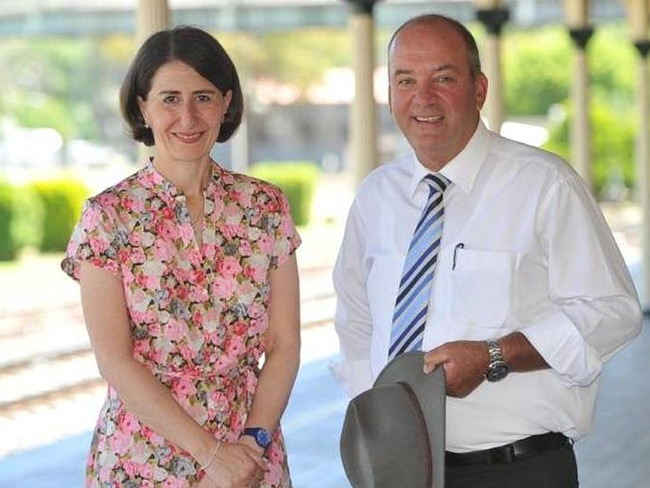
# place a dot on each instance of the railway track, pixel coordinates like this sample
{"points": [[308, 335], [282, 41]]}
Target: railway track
{"points": [[51, 358]]}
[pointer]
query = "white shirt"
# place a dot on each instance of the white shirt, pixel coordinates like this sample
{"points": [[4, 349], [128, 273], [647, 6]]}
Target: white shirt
{"points": [[525, 248]]}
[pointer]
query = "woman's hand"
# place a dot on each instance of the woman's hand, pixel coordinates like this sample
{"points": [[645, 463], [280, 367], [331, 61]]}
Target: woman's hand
{"points": [[236, 465]]}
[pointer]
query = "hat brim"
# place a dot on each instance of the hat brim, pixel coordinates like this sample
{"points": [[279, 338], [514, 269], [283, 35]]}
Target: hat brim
{"points": [[430, 390], [384, 441]]}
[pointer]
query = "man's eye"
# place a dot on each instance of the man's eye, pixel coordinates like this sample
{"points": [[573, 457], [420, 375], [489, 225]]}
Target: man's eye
{"points": [[444, 78]]}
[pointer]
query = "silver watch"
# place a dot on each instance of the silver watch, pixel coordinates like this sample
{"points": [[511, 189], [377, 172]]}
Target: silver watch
{"points": [[497, 367]]}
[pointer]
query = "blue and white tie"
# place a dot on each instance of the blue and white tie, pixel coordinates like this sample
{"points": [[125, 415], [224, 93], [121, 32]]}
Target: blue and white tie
{"points": [[410, 315]]}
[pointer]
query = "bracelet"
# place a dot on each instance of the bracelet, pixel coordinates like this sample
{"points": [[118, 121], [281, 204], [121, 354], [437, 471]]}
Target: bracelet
{"points": [[212, 456]]}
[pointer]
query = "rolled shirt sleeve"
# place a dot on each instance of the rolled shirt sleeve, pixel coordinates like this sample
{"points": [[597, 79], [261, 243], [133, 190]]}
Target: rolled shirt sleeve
{"points": [[596, 308]]}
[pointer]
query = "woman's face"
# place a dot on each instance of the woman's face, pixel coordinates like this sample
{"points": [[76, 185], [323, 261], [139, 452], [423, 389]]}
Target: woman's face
{"points": [[184, 111]]}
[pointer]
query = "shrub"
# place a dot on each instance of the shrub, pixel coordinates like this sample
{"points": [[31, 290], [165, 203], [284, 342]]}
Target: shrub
{"points": [[297, 179], [612, 146], [62, 200], [20, 220]]}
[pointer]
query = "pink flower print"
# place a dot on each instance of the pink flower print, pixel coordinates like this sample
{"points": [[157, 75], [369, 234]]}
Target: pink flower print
{"points": [[256, 310], [130, 424], [120, 442], [135, 239], [240, 328], [229, 266], [175, 330], [141, 349], [187, 353], [173, 482], [255, 273], [266, 244], [146, 472], [91, 217], [162, 251], [245, 248], [97, 244], [235, 346], [198, 294], [184, 389], [258, 326], [197, 276], [186, 231], [130, 467], [229, 230], [223, 287], [167, 230], [218, 207], [232, 213], [137, 256], [274, 473], [153, 438]]}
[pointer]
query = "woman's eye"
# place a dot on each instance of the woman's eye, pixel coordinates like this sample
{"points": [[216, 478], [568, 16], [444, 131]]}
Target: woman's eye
{"points": [[170, 99]]}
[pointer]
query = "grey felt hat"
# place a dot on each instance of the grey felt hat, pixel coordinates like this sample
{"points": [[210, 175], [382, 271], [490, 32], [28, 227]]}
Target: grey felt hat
{"points": [[394, 434]]}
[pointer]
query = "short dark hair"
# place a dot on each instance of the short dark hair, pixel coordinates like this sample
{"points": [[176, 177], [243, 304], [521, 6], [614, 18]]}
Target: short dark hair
{"points": [[194, 47], [473, 56]]}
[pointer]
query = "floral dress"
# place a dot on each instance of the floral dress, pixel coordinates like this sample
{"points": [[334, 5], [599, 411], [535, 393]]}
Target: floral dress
{"points": [[197, 314]]}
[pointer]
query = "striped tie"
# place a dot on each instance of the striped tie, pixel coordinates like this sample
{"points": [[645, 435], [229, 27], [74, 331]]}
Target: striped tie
{"points": [[412, 301]]}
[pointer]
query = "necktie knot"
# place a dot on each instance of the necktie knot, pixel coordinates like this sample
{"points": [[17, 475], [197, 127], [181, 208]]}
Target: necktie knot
{"points": [[437, 182]]}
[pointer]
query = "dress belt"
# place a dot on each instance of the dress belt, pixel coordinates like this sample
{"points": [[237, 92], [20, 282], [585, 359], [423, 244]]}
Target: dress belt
{"points": [[510, 453]]}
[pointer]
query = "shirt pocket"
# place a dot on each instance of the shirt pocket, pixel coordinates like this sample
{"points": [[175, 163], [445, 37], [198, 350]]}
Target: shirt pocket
{"points": [[482, 289]]}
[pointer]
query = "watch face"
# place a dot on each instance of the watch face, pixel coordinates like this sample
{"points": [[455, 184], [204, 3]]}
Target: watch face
{"points": [[497, 371], [263, 438]]}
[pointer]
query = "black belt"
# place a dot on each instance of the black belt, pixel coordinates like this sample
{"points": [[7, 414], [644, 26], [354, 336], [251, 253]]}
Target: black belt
{"points": [[510, 453]]}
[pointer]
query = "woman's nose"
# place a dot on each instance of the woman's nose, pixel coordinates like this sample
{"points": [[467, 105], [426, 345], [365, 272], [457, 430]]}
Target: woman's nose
{"points": [[188, 114]]}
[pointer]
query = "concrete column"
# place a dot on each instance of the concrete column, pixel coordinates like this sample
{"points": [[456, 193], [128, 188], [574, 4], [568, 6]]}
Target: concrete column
{"points": [[363, 125], [577, 14], [493, 17], [151, 16], [638, 11]]}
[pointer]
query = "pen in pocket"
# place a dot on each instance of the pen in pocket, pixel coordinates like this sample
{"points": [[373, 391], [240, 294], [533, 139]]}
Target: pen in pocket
{"points": [[460, 245]]}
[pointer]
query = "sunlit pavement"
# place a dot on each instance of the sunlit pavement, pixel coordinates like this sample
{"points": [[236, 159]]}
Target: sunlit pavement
{"points": [[614, 455]]}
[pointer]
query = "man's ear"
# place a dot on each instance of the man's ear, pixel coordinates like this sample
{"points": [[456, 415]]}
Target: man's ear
{"points": [[481, 88]]}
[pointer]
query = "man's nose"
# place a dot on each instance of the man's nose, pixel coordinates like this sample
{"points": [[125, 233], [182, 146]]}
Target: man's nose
{"points": [[427, 90]]}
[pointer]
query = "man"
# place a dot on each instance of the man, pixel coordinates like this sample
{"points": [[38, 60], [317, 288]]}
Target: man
{"points": [[529, 296]]}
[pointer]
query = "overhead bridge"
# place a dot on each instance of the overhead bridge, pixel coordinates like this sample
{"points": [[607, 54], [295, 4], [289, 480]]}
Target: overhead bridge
{"points": [[103, 17]]}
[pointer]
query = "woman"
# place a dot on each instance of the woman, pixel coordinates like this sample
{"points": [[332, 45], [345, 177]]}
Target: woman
{"points": [[188, 279]]}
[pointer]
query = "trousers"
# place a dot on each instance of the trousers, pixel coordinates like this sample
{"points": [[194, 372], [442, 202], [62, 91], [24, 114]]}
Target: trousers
{"points": [[556, 468]]}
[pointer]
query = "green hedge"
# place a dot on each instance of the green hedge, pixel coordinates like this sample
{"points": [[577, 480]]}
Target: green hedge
{"points": [[20, 217], [62, 200], [297, 179]]}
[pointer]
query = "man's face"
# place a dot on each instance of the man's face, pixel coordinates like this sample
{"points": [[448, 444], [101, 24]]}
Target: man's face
{"points": [[434, 98]]}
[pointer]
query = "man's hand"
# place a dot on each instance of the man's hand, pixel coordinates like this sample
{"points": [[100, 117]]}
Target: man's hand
{"points": [[465, 363]]}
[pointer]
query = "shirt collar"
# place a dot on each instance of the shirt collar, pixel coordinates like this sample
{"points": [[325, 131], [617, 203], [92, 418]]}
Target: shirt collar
{"points": [[463, 169]]}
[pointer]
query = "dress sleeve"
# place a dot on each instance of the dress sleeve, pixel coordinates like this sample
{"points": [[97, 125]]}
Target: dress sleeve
{"points": [[286, 236], [95, 239]]}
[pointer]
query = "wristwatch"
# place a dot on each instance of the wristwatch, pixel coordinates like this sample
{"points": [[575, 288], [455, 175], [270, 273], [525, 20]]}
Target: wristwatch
{"points": [[497, 367], [261, 436]]}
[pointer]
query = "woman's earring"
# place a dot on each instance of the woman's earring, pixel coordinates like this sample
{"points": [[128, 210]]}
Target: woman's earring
{"points": [[146, 126]]}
